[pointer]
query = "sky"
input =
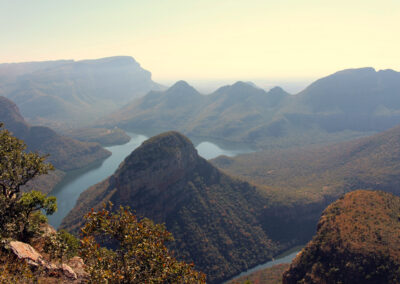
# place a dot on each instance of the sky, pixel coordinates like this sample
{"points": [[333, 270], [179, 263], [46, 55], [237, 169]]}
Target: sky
{"points": [[208, 39]]}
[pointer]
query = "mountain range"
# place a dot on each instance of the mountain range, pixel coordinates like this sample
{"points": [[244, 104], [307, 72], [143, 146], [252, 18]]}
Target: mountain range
{"points": [[228, 214], [69, 93], [348, 104]]}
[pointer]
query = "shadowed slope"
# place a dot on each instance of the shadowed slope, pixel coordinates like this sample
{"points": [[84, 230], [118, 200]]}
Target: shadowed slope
{"points": [[212, 216]]}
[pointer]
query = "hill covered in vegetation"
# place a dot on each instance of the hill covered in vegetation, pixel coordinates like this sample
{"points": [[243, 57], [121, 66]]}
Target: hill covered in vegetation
{"points": [[165, 180], [370, 162], [348, 104], [103, 136], [31, 251], [357, 241], [65, 153]]}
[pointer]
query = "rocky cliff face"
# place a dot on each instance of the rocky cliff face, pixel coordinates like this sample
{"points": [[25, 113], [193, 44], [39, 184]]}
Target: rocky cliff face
{"points": [[357, 241], [212, 216], [72, 93]]}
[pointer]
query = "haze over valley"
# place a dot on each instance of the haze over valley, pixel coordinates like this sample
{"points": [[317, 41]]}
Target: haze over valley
{"points": [[199, 142]]}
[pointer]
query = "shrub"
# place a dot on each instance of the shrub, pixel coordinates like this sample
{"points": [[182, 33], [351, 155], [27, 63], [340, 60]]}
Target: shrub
{"points": [[136, 250]]}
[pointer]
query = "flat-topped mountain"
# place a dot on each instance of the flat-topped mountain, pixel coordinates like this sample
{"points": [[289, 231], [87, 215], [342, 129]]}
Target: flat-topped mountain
{"points": [[357, 241], [65, 153], [71, 92], [212, 216]]}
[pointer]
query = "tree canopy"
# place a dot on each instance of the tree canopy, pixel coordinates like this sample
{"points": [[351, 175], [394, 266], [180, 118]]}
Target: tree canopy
{"points": [[133, 252], [137, 251], [21, 212]]}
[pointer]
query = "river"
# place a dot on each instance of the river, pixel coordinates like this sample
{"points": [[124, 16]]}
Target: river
{"points": [[285, 257], [75, 182]]}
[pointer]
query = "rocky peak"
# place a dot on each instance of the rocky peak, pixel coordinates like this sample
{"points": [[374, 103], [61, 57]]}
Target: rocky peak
{"points": [[152, 168], [165, 180], [171, 146]]}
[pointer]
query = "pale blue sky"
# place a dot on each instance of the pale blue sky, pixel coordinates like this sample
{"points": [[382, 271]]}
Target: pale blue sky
{"points": [[204, 39]]}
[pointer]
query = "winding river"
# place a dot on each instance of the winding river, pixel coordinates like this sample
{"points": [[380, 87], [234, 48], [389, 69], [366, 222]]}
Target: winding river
{"points": [[75, 182]]}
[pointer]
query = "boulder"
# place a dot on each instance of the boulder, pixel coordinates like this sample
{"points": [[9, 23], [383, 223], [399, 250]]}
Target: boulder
{"points": [[26, 252]]}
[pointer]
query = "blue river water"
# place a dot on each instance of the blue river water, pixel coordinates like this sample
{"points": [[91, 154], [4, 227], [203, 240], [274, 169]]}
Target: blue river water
{"points": [[75, 182]]}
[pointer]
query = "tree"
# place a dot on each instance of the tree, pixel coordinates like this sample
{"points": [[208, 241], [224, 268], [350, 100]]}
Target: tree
{"points": [[20, 212], [137, 251]]}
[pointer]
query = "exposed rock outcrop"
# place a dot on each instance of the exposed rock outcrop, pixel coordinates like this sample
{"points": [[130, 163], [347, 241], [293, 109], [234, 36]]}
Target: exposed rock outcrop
{"points": [[26, 252]]}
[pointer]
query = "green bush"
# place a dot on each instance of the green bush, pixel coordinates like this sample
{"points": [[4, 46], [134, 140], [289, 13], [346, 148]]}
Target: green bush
{"points": [[137, 251]]}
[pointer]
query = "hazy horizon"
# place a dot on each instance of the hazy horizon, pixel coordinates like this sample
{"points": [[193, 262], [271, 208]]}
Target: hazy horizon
{"points": [[202, 40]]}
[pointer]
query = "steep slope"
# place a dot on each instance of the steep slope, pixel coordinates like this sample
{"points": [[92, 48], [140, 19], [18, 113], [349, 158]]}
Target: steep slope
{"points": [[65, 153], [162, 110], [212, 216], [74, 92], [357, 241]]}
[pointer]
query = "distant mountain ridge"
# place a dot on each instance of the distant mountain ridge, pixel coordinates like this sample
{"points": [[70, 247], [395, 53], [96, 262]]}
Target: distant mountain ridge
{"points": [[348, 104], [225, 113], [65, 153], [71, 93]]}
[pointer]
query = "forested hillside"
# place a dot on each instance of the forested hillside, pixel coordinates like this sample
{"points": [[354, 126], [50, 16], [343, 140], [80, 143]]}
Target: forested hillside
{"points": [[357, 241], [345, 105]]}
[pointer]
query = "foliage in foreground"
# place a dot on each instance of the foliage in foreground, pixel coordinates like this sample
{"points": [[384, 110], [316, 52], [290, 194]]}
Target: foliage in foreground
{"points": [[138, 253], [21, 212]]}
